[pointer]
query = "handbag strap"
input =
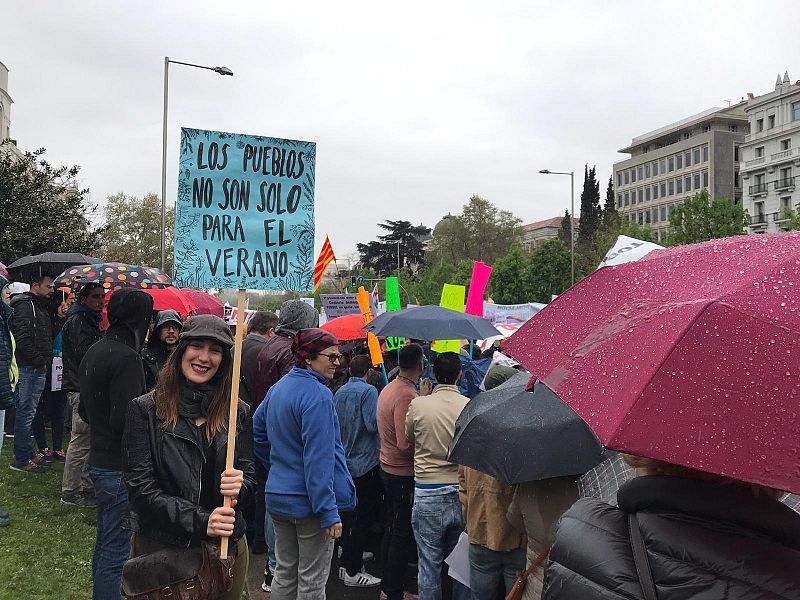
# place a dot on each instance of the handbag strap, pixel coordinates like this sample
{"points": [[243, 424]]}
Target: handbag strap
{"points": [[640, 559], [522, 576]]}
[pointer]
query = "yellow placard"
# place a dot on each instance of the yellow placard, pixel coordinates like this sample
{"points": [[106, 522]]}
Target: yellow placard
{"points": [[452, 298], [372, 342]]}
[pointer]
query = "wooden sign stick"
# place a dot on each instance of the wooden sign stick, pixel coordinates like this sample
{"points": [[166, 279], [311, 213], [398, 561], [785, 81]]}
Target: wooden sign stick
{"points": [[234, 408]]}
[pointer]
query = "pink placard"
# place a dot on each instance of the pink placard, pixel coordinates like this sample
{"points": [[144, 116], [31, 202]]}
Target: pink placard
{"points": [[477, 287]]}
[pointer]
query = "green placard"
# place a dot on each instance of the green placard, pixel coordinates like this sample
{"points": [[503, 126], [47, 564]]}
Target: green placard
{"points": [[393, 305]]}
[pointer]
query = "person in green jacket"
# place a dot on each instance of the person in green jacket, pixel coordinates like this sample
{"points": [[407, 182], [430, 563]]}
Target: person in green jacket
{"points": [[9, 372]]}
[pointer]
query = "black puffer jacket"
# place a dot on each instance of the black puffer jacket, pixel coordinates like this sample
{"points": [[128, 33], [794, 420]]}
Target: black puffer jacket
{"points": [[704, 540], [163, 468], [34, 327], [81, 331]]}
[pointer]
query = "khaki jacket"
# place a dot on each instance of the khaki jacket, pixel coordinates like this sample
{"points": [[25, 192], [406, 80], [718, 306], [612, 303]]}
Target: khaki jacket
{"points": [[485, 501]]}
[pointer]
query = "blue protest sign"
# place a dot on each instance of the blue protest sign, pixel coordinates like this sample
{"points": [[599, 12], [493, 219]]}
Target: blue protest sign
{"points": [[245, 212]]}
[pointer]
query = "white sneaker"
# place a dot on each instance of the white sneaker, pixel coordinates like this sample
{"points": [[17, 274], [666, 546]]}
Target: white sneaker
{"points": [[342, 573], [361, 580]]}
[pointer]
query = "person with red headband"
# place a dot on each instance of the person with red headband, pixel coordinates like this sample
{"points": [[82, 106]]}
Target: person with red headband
{"points": [[297, 437]]}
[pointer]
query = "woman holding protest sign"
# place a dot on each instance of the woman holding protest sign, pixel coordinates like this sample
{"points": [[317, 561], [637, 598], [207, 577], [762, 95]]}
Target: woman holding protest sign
{"points": [[174, 450]]}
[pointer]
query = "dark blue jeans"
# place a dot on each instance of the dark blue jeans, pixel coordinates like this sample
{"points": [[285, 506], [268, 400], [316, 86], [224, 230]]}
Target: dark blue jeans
{"points": [[113, 544], [31, 384], [491, 571], [437, 522]]}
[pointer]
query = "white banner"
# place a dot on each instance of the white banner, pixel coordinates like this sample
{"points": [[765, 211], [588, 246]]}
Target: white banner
{"points": [[339, 305], [56, 374], [513, 314], [627, 249]]}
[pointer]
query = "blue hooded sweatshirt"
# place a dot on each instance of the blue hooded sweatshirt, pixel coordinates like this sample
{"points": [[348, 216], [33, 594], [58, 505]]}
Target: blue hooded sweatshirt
{"points": [[297, 437]]}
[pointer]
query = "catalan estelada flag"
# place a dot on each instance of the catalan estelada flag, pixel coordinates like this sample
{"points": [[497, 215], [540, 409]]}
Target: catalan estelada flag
{"points": [[323, 260]]}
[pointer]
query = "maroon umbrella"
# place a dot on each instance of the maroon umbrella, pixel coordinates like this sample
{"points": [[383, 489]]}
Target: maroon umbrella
{"points": [[688, 356], [206, 304]]}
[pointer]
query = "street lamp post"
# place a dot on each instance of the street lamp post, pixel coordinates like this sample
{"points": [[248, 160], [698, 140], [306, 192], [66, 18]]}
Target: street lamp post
{"points": [[221, 71], [571, 215]]}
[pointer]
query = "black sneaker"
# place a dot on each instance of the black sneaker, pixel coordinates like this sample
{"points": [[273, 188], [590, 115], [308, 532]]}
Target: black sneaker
{"points": [[267, 585], [28, 467], [79, 501]]}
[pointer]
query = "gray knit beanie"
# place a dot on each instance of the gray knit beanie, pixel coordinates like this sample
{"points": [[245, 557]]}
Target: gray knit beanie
{"points": [[296, 315]]}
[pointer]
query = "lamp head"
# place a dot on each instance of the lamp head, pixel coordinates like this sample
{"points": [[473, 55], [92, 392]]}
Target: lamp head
{"points": [[545, 171], [223, 71]]}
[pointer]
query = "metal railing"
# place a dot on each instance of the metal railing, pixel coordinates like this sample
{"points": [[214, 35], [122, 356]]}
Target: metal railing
{"points": [[759, 188], [784, 183], [758, 219]]}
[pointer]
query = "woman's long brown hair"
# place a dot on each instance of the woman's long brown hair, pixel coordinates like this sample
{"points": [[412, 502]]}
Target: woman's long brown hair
{"points": [[168, 390]]}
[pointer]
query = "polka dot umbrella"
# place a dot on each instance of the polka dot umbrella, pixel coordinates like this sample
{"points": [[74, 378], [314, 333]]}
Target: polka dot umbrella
{"points": [[113, 276]]}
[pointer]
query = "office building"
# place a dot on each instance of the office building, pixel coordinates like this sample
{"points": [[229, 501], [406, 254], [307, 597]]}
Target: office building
{"points": [[537, 233], [675, 162]]}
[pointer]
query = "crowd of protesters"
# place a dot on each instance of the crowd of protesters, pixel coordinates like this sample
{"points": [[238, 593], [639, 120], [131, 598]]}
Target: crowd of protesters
{"points": [[333, 453]]}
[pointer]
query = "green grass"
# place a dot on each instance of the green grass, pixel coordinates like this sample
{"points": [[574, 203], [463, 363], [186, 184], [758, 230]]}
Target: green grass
{"points": [[46, 552]]}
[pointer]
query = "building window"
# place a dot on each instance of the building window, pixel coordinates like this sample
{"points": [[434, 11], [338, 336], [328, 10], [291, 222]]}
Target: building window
{"points": [[671, 164], [760, 152], [786, 206], [687, 183], [647, 170], [733, 128], [736, 154], [655, 215], [655, 192], [663, 165], [626, 199], [786, 144], [796, 111], [641, 195], [619, 178], [679, 161], [679, 186], [705, 179], [759, 125], [705, 153], [663, 213], [640, 172], [736, 179], [671, 187], [633, 175], [697, 181], [641, 218], [770, 121], [627, 177], [663, 189], [647, 217], [655, 168], [696, 157], [619, 200], [647, 194], [687, 158]]}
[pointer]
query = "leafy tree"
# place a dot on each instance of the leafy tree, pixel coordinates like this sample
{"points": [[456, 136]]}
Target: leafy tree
{"points": [[481, 232], [591, 212], [549, 271], [565, 233], [133, 230], [791, 220], [41, 208], [425, 286], [510, 281], [381, 255], [700, 219]]}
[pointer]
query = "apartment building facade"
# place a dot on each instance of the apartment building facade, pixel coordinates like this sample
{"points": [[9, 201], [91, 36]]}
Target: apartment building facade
{"points": [[5, 104], [675, 162], [771, 156], [536, 234]]}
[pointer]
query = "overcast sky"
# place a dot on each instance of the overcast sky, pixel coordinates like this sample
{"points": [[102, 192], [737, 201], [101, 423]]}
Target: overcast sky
{"points": [[414, 106]]}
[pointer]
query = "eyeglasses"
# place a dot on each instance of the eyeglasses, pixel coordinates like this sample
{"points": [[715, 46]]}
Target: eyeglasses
{"points": [[333, 357]]}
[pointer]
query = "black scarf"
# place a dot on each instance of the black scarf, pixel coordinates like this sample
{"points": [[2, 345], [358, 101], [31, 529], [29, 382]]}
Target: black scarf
{"points": [[195, 399]]}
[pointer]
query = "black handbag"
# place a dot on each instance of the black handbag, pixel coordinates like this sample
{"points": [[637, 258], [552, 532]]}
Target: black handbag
{"points": [[178, 574]]}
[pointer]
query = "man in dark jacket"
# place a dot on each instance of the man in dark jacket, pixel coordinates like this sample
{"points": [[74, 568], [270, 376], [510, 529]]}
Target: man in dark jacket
{"points": [[34, 326], [112, 373], [260, 329], [81, 331], [275, 358], [161, 343], [702, 539]]}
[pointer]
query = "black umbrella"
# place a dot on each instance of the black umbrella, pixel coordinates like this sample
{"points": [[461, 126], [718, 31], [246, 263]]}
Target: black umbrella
{"points": [[431, 323], [48, 263], [518, 436]]}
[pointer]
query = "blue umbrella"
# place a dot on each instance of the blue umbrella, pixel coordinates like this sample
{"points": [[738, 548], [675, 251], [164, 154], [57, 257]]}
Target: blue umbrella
{"points": [[518, 436], [431, 323]]}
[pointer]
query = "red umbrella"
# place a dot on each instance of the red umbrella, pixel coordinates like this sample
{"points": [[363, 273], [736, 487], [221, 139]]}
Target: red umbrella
{"points": [[172, 299], [687, 356], [348, 327], [206, 304]]}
